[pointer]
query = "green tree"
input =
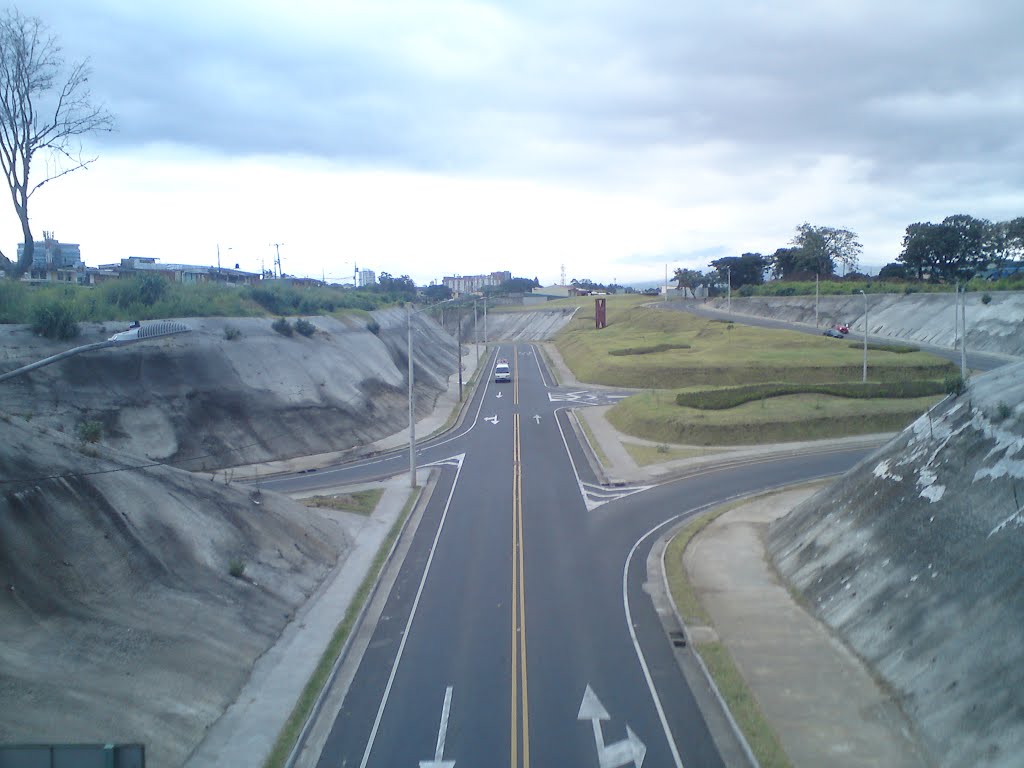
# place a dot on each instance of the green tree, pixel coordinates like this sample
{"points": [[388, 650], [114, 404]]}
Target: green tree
{"points": [[41, 110], [435, 293], [1004, 242], [517, 285], [951, 250], [737, 271], [688, 278], [893, 271], [787, 263], [825, 247], [400, 288]]}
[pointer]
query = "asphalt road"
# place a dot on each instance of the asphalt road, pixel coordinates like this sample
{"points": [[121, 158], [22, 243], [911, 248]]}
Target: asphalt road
{"points": [[977, 361], [518, 631]]}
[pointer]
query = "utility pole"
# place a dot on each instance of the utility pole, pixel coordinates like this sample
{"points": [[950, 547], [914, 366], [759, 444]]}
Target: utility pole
{"points": [[476, 333], [666, 283], [728, 301], [277, 258], [864, 377]]}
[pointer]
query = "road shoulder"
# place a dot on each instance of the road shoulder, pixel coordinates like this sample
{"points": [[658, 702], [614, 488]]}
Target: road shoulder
{"points": [[820, 699]]}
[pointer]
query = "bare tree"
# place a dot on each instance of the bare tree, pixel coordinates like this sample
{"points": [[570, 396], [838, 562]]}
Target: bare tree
{"points": [[40, 110]]}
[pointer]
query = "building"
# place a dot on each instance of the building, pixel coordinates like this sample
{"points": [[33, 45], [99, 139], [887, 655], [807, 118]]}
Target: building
{"points": [[187, 274], [460, 286], [54, 261], [366, 278]]}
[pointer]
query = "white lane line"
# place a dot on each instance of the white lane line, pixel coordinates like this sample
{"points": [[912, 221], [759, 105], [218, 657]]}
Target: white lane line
{"points": [[412, 615], [636, 643], [442, 732]]}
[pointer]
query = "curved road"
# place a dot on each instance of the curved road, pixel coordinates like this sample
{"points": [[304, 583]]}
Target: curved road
{"points": [[518, 630], [978, 361]]}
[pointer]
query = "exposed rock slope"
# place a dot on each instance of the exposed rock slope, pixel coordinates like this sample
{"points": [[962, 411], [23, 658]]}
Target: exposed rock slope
{"points": [[914, 559]]}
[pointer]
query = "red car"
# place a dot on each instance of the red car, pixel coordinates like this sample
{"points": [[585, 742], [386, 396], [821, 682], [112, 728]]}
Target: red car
{"points": [[843, 328]]}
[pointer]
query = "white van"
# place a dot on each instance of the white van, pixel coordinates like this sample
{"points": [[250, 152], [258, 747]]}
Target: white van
{"points": [[501, 371]]}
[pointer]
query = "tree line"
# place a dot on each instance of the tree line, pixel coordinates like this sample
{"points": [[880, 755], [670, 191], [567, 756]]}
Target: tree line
{"points": [[955, 249]]}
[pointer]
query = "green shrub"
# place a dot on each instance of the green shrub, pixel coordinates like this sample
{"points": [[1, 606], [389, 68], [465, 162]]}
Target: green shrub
{"points": [[236, 567], [90, 431], [646, 350], [730, 397], [282, 326], [896, 349], [955, 385], [305, 327], [152, 288], [54, 320], [1004, 411], [373, 327], [986, 299], [231, 333]]}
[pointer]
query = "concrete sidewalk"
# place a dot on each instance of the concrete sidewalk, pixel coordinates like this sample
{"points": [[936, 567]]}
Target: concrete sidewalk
{"points": [[818, 697]]}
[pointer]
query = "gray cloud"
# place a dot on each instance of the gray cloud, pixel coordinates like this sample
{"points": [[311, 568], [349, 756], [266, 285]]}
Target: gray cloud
{"points": [[924, 94]]}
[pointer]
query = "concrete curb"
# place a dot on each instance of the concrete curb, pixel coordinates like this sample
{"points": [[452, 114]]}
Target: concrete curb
{"points": [[663, 543], [417, 509]]}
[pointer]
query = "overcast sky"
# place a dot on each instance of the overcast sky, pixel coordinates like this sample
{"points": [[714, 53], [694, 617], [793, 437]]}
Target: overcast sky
{"points": [[440, 137]]}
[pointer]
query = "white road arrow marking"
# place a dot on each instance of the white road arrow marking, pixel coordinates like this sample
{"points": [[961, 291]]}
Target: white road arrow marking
{"points": [[499, 395], [619, 754], [536, 417], [493, 419], [442, 732]]}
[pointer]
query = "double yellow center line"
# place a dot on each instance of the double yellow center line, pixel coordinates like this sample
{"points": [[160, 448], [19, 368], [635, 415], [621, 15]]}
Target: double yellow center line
{"points": [[520, 694]]}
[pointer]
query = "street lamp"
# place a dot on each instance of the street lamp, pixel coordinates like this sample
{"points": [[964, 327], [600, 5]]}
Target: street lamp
{"points": [[864, 378]]}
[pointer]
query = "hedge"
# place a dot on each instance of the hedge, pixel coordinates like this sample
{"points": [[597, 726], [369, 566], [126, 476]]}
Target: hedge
{"points": [[720, 399]]}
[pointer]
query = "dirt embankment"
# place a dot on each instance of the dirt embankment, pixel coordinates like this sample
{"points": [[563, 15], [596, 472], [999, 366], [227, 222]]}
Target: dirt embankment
{"points": [[913, 558]]}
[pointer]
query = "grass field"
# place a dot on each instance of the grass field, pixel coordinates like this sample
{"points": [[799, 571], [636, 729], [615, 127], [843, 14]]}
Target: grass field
{"points": [[698, 353], [659, 454], [360, 502]]}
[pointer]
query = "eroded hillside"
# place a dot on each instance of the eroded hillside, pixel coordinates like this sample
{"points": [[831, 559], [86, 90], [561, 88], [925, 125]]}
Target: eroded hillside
{"points": [[134, 600], [233, 391]]}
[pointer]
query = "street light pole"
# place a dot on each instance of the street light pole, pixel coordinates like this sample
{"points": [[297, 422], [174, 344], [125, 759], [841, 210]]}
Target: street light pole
{"points": [[412, 403], [963, 338], [815, 301], [728, 272], [864, 378]]}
